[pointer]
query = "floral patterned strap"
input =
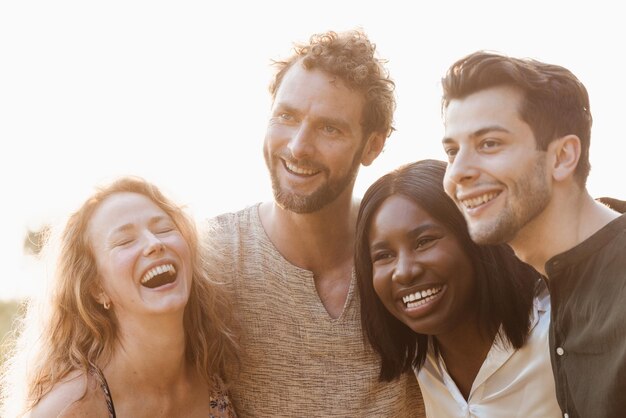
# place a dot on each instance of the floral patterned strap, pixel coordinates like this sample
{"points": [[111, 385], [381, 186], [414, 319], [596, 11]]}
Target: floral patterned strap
{"points": [[220, 406]]}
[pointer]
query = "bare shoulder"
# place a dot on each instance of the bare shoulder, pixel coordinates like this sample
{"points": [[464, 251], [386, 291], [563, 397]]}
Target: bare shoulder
{"points": [[74, 397]]}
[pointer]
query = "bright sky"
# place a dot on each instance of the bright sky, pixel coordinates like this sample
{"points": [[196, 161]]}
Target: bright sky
{"points": [[177, 92]]}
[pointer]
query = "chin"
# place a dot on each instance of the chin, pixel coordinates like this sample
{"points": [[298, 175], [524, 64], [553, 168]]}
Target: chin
{"points": [[170, 305]]}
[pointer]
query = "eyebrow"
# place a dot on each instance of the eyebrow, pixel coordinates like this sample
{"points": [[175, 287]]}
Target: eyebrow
{"points": [[415, 232], [477, 133], [340, 123], [327, 120], [283, 107]]}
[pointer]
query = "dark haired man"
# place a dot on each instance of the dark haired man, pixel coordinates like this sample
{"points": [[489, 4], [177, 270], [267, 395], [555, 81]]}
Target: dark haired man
{"points": [[517, 134]]}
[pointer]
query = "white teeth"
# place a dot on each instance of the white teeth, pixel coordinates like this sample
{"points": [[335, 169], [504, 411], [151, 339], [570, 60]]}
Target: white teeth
{"points": [[476, 201], [299, 170], [158, 270], [420, 302], [423, 296]]}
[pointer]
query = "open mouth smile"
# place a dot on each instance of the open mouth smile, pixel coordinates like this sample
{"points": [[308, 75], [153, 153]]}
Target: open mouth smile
{"points": [[474, 202], [159, 276], [300, 171], [422, 297]]}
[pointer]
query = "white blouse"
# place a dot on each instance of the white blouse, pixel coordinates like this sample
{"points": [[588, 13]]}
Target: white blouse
{"points": [[510, 383]]}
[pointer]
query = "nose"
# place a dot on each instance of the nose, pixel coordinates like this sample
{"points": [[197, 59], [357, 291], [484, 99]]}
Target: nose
{"points": [[154, 245], [301, 145], [463, 168], [407, 269]]}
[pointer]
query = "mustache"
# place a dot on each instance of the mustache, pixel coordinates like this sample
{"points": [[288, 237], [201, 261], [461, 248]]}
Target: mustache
{"points": [[303, 163]]}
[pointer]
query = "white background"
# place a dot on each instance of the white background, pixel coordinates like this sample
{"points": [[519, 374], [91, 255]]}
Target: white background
{"points": [[176, 92]]}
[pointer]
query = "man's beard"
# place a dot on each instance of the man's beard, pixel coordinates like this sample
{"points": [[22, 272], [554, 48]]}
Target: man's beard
{"points": [[529, 198], [325, 194]]}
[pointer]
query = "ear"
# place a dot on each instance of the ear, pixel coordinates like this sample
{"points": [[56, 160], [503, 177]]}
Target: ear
{"points": [[98, 293], [566, 153], [373, 148]]}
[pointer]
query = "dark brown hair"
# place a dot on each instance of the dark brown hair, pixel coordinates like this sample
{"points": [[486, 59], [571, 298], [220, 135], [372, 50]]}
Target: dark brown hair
{"points": [[555, 102]]}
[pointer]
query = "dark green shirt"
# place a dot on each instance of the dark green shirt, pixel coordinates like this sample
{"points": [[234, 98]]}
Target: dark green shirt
{"points": [[588, 324]]}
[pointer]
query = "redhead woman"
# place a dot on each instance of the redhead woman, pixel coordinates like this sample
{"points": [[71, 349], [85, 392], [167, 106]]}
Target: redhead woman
{"points": [[471, 321], [135, 326]]}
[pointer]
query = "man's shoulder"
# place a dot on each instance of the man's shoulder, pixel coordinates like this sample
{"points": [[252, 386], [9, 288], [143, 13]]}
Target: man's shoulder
{"points": [[235, 219], [228, 226], [233, 233]]}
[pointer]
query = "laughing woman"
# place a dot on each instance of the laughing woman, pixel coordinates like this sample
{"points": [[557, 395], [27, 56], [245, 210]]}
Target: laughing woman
{"points": [[471, 321], [135, 328]]}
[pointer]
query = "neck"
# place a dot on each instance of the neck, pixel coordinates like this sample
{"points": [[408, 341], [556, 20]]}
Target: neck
{"points": [[149, 352], [465, 339], [464, 350], [571, 217], [311, 240]]}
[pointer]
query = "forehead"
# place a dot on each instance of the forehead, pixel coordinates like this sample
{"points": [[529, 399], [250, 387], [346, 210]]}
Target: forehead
{"points": [[398, 211], [496, 106], [123, 208], [316, 91]]}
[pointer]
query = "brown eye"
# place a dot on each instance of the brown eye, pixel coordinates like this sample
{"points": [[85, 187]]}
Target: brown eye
{"points": [[381, 255], [451, 152], [425, 242], [489, 143]]}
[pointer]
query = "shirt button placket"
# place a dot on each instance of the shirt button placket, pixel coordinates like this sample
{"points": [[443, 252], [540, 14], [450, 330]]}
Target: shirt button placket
{"points": [[560, 352]]}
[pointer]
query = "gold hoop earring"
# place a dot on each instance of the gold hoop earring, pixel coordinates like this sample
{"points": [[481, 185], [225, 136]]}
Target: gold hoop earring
{"points": [[107, 305]]}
